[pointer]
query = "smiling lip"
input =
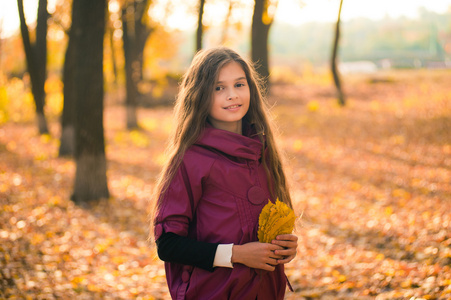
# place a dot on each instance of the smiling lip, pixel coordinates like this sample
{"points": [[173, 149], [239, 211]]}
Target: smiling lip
{"points": [[231, 107]]}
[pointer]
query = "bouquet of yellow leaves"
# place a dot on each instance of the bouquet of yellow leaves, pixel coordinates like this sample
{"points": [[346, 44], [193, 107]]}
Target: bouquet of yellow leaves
{"points": [[275, 219]]}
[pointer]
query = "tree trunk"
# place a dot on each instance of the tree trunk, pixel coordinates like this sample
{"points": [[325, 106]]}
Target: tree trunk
{"points": [[36, 57], [226, 23], [113, 56], [135, 34], [261, 24], [89, 27], [131, 73], [200, 26], [337, 81], [67, 140]]}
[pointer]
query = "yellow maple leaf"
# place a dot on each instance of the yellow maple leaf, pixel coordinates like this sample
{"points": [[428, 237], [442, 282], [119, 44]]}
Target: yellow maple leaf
{"points": [[275, 219]]}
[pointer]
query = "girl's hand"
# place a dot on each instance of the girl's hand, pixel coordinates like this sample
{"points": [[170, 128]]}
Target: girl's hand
{"points": [[257, 255], [289, 244]]}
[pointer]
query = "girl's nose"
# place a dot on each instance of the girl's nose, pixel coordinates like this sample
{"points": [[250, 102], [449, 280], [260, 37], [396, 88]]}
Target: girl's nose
{"points": [[231, 96]]}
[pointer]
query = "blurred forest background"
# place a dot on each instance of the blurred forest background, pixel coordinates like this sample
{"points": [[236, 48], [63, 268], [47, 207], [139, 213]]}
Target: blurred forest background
{"points": [[86, 95]]}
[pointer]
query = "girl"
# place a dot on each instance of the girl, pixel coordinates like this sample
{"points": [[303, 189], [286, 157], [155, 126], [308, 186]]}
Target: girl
{"points": [[223, 167]]}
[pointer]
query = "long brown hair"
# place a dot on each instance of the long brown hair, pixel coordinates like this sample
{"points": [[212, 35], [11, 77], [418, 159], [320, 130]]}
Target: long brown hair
{"points": [[191, 111]]}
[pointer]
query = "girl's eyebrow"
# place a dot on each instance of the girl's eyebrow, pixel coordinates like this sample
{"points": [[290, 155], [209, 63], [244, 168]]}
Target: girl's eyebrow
{"points": [[238, 79]]}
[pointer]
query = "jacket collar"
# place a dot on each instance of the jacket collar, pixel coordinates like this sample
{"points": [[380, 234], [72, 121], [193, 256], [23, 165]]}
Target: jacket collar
{"points": [[247, 146]]}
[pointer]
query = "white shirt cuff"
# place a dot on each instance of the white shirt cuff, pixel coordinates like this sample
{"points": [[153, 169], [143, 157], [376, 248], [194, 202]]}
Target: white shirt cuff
{"points": [[223, 256]]}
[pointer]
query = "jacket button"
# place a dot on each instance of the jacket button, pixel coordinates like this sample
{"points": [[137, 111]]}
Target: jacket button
{"points": [[185, 276], [256, 195]]}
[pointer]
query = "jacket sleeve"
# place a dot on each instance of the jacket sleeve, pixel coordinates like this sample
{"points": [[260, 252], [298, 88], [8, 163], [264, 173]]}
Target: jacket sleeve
{"points": [[179, 249], [178, 203], [177, 209]]}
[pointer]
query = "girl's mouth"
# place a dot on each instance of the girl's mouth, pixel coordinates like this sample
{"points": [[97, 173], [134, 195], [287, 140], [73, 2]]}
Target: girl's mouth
{"points": [[233, 106]]}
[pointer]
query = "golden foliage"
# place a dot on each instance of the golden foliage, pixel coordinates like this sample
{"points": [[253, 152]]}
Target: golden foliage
{"points": [[275, 219], [373, 180]]}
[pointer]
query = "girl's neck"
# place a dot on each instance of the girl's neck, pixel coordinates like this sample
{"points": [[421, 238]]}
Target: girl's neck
{"points": [[235, 127]]}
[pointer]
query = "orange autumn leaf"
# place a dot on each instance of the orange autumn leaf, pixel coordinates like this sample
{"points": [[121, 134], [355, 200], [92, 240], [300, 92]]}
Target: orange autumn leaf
{"points": [[275, 219]]}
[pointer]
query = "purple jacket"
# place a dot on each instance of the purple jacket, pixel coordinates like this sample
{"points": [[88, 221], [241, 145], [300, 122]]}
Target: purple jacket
{"points": [[216, 196]]}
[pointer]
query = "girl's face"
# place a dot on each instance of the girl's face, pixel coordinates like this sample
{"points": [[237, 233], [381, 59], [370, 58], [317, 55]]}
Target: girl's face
{"points": [[230, 98]]}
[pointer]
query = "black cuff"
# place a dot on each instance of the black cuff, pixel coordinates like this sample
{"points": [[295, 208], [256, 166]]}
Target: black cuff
{"points": [[183, 250]]}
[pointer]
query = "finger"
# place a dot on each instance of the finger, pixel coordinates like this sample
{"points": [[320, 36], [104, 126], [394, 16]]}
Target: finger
{"points": [[287, 237], [274, 247], [285, 260], [273, 261], [269, 264], [276, 257], [267, 267], [285, 244], [273, 254], [286, 252]]}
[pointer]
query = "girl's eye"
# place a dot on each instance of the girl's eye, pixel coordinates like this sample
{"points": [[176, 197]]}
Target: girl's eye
{"points": [[219, 88], [239, 85]]}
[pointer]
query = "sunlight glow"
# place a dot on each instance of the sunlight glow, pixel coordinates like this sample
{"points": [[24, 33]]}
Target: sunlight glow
{"points": [[180, 14], [296, 12], [9, 15]]}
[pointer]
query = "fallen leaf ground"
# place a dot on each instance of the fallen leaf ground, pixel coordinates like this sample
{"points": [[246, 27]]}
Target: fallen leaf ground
{"points": [[371, 181]]}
